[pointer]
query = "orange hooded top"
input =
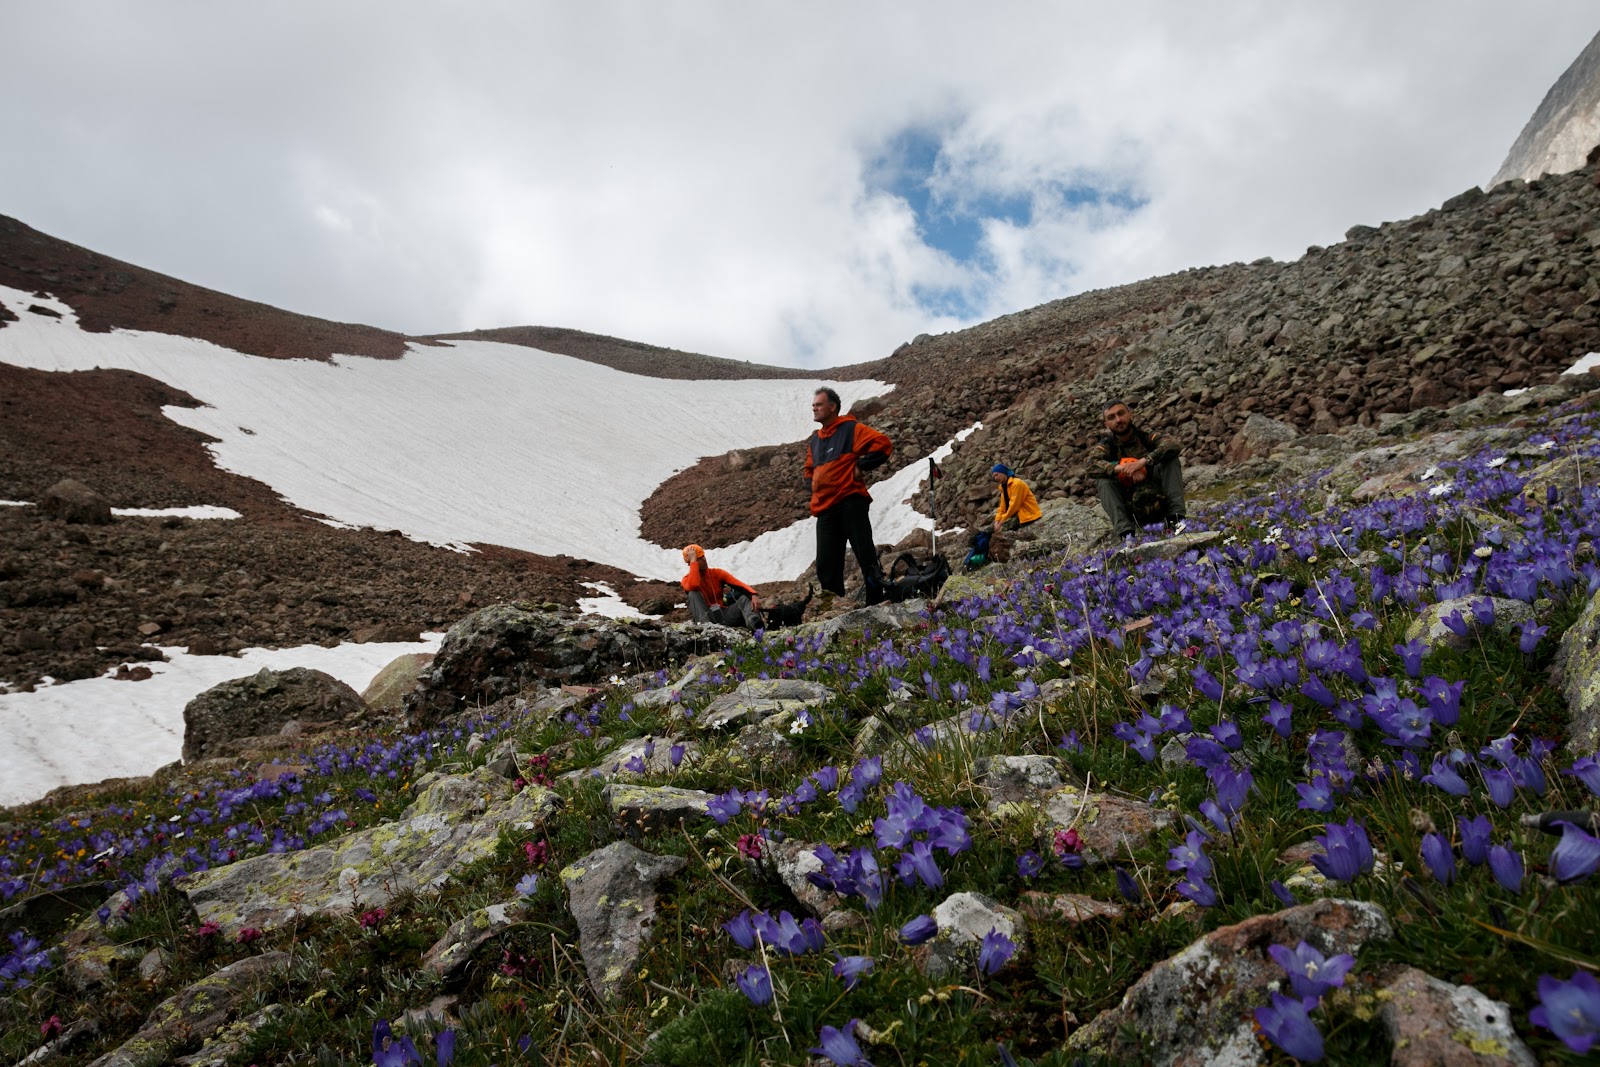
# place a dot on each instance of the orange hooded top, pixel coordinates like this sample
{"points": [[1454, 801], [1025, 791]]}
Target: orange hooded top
{"points": [[836, 454]]}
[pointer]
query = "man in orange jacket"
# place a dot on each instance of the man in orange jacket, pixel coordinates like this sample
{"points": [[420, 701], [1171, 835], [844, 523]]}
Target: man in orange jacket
{"points": [[836, 455], [707, 586]]}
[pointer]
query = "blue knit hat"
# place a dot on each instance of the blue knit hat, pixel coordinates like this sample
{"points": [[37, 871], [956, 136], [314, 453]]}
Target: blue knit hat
{"points": [[1001, 468]]}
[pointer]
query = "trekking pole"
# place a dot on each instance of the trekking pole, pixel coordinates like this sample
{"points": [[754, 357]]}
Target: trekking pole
{"points": [[933, 510]]}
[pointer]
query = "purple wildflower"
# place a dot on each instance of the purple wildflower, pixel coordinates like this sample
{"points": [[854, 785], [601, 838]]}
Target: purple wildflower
{"points": [[1570, 1010], [1444, 777], [1474, 838], [1587, 771], [918, 930], [755, 982], [1311, 974], [1506, 864], [995, 952], [840, 1047], [1439, 857], [444, 1048], [1029, 864], [1576, 856], [1346, 851], [851, 968], [1287, 1025]]}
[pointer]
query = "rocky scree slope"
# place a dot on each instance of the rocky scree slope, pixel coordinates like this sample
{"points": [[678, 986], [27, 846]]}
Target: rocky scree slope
{"points": [[1490, 291]]}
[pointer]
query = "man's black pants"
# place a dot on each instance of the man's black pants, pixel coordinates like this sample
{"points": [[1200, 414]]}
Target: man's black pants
{"points": [[849, 520]]}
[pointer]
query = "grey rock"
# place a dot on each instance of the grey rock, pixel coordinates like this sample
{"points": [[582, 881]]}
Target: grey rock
{"points": [[1017, 779], [878, 618], [1576, 672], [1432, 1023], [1473, 610], [611, 894], [263, 704], [759, 698], [153, 966], [466, 935], [792, 861], [646, 809], [1070, 908], [198, 1011], [222, 1047], [503, 649], [1563, 128], [1564, 477], [1169, 548], [964, 920], [1110, 826], [71, 501], [455, 820], [653, 756], [1195, 1008], [1259, 436], [388, 688]]}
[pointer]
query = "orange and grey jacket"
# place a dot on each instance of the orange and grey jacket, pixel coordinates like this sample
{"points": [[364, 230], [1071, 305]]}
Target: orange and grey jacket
{"points": [[836, 455], [710, 585], [1018, 500]]}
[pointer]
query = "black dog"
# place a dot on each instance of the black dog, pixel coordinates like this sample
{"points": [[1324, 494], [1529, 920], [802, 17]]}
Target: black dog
{"points": [[788, 614]]}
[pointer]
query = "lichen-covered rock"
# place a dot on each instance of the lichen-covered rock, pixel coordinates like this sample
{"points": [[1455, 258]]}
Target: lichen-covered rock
{"points": [[612, 897], [1259, 436], [1438, 1024], [1561, 480], [505, 648], [388, 688], [1017, 779], [1576, 672], [454, 821], [1194, 1008], [640, 756], [222, 1047], [71, 501], [645, 808], [1062, 527], [879, 618], [197, 1012], [760, 698], [1110, 826], [1169, 548], [453, 951], [793, 860], [984, 582], [1071, 908], [964, 920], [1476, 611], [262, 704]]}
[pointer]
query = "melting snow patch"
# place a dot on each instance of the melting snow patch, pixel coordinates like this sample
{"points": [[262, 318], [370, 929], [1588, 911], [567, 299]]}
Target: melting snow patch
{"points": [[608, 603], [105, 728], [195, 511], [16, 503], [1519, 392], [1592, 359], [475, 443]]}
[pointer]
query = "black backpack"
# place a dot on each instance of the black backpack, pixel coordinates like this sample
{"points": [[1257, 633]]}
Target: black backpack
{"points": [[913, 579]]}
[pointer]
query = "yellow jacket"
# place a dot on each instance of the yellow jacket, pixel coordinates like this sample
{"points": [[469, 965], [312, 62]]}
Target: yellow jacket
{"points": [[1016, 499]]}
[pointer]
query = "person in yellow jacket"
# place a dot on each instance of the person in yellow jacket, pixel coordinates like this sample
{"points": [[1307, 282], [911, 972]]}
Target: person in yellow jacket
{"points": [[1017, 503]]}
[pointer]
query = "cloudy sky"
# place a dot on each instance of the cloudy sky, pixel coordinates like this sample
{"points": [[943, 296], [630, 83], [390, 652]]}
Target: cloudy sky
{"points": [[805, 184]]}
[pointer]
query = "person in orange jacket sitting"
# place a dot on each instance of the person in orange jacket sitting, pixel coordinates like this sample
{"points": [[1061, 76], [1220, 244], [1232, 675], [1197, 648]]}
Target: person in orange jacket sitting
{"points": [[707, 587], [837, 453], [1017, 502]]}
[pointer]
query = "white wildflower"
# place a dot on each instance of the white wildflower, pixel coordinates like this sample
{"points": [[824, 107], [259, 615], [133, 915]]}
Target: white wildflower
{"points": [[1498, 461]]}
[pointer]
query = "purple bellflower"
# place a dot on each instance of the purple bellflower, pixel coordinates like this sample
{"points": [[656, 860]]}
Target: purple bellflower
{"points": [[1346, 853], [1576, 856], [1440, 858], [1311, 974], [1287, 1025], [839, 1046], [1570, 1010]]}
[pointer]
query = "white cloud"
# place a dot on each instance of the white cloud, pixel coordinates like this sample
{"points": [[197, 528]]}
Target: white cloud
{"points": [[698, 175]]}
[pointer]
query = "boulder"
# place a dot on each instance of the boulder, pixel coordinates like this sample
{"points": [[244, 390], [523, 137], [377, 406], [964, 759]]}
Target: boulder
{"points": [[1110, 826], [1560, 481], [1576, 672], [502, 649], [263, 704], [72, 501], [455, 820], [611, 894], [1062, 526], [1168, 548], [198, 1011], [645, 809], [387, 690], [1195, 1008], [964, 920], [1474, 611], [454, 950], [760, 698], [1070, 908], [1258, 437], [792, 861], [878, 618], [1017, 779], [639, 756], [1437, 1024]]}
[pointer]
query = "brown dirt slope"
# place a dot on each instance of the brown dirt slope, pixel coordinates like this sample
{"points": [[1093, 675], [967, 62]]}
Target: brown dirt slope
{"points": [[109, 294]]}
